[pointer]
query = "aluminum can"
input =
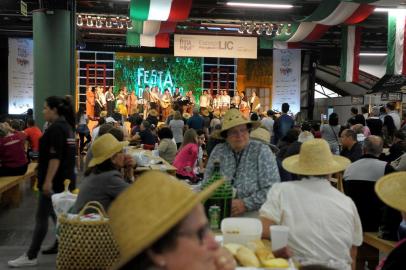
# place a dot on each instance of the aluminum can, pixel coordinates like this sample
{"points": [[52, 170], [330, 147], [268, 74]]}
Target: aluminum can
{"points": [[214, 217]]}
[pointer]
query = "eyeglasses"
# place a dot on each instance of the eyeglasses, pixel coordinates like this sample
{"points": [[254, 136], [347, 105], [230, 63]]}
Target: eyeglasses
{"points": [[200, 234], [236, 132]]}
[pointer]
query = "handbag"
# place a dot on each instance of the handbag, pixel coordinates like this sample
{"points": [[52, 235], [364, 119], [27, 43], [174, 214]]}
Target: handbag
{"points": [[86, 241], [338, 141]]}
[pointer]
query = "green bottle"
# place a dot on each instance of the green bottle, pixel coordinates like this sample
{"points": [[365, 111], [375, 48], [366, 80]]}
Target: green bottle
{"points": [[222, 197]]}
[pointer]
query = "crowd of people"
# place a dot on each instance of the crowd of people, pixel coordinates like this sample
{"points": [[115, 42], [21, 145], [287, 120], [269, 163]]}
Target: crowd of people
{"points": [[282, 172]]}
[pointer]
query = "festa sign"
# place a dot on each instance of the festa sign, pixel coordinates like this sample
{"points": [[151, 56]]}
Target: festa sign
{"points": [[162, 79], [215, 46]]}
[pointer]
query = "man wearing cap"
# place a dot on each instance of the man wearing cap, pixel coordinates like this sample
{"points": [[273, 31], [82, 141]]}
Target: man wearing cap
{"points": [[324, 225], [249, 165]]}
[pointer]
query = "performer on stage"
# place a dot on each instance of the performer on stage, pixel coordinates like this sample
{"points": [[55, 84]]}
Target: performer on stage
{"points": [[166, 102], [146, 97], [110, 100], [99, 101], [204, 100], [225, 101], [255, 103], [236, 101], [217, 102], [154, 102], [132, 103], [191, 101], [90, 100], [122, 102]]}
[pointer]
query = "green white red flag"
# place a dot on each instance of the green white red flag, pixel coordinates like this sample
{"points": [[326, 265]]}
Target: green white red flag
{"points": [[351, 42], [396, 63]]}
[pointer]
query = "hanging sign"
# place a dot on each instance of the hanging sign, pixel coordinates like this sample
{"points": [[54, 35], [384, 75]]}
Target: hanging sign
{"points": [[286, 79], [20, 75], [215, 46]]}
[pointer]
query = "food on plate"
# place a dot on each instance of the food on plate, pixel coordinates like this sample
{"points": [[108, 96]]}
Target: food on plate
{"points": [[232, 248], [276, 263], [246, 257]]}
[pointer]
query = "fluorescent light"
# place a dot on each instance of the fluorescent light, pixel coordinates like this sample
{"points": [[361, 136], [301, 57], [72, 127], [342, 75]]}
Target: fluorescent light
{"points": [[214, 28], [372, 54], [389, 9], [258, 5]]}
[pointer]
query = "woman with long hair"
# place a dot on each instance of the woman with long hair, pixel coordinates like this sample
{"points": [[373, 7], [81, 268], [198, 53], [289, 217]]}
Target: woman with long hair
{"points": [[186, 158], [82, 128], [176, 125], [56, 163]]}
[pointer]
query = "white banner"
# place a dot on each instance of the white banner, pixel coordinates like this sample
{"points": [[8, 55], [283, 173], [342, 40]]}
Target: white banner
{"points": [[286, 79], [20, 75], [215, 46]]}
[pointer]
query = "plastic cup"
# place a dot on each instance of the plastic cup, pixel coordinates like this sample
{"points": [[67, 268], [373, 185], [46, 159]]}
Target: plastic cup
{"points": [[279, 236]]}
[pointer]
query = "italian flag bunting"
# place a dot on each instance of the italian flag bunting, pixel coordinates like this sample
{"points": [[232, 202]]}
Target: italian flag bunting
{"points": [[351, 41], [153, 28], [396, 63], [158, 41], [160, 10]]}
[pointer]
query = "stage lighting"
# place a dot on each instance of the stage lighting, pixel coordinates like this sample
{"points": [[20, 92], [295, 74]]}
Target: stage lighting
{"points": [[99, 23], [89, 21], [289, 29], [251, 28], [79, 21]]}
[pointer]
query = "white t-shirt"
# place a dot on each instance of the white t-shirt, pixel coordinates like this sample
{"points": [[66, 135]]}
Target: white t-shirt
{"points": [[177, 130], [323, 223], [225, 100], [204, 101]]}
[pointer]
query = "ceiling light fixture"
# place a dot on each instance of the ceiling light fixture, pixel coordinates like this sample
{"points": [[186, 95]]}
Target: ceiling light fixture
{"points": [[259, 5], [372, 54], [389, 9]]}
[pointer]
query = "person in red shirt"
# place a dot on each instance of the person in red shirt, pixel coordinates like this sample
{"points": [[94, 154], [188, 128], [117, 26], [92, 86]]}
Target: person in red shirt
{"points": [[33, 134], [12, 155]]}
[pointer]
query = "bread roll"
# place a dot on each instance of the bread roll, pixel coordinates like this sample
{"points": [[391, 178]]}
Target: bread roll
{"points": [[276, 263], [232, 248], [246, 257]]}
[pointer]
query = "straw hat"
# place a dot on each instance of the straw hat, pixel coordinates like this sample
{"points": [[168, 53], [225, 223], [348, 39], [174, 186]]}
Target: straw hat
{"points": [[104, 147], [103, 113], [205, 112], [315, 158], [391, 189], [233, 118], [261, 134], [148, 209], [153, 112]]}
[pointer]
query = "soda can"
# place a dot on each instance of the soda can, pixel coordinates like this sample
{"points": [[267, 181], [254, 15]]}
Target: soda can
{"points": [[214, 217]]}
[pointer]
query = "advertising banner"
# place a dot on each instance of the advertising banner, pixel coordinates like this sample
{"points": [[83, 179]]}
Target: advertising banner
{"points": [[215, 46], [20, 75], [286, 79]]}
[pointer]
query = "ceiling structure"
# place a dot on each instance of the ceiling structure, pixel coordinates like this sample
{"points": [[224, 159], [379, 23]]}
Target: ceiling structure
{"points": [[206, 17]]}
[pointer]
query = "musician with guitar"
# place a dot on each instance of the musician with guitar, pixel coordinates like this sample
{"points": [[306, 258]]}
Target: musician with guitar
{"points": [[166, 102]]}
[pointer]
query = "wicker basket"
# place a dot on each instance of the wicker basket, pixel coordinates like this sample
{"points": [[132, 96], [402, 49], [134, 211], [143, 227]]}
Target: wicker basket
{"points": [[86, 244]]}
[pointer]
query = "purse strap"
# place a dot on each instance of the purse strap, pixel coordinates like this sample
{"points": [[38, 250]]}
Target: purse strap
{"points": [[335, 134]]}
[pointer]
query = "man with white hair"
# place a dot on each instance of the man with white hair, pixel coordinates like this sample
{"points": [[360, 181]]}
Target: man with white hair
{"points": [[360, 178]]}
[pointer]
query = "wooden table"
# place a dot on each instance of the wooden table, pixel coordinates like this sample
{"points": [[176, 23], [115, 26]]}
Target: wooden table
{"points": [[162, 165], [372, 239]]}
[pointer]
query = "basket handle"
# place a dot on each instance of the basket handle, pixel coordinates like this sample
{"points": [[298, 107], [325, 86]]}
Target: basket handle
{"points": [[95, 205]]}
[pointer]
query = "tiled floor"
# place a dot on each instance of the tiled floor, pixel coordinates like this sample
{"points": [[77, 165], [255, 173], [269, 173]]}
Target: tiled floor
{"points": [[16, 227]]}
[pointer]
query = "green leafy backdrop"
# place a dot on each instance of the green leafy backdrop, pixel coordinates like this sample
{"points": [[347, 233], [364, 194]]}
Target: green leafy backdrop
{"points": [[186, 72]]}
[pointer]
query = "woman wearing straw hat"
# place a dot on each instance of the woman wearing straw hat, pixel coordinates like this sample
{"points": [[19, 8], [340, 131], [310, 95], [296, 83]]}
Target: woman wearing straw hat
{"points": [[391, 189], [104, 181], [159, 223], [324, 225], [249, 166]]}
